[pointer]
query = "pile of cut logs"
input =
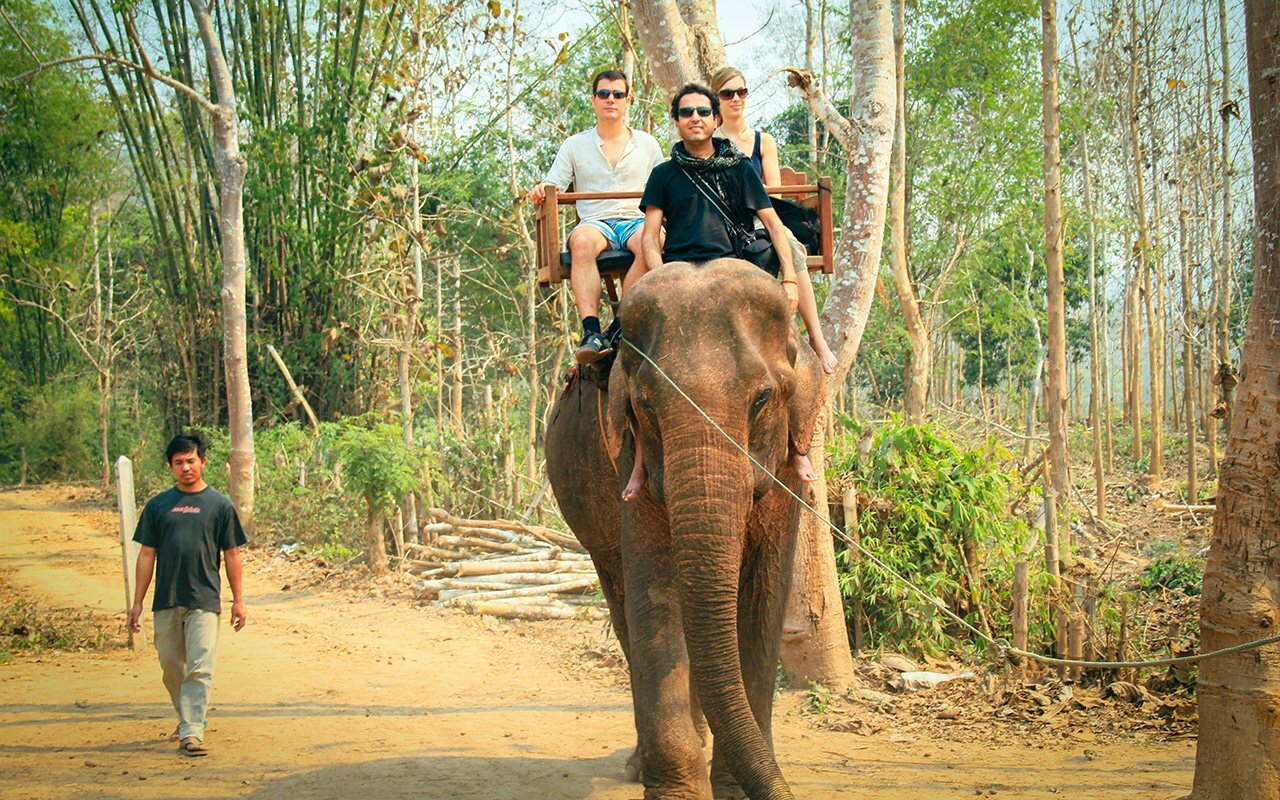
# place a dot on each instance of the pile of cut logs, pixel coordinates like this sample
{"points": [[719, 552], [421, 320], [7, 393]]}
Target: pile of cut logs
{"points": [[504, 569]]}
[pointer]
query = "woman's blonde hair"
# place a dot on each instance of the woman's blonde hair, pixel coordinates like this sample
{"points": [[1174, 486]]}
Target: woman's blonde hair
{"points": [[724, 76]]}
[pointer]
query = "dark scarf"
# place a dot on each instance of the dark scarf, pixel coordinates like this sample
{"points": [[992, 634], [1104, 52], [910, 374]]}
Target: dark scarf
{"points": [[726, 156], [716, 172]]}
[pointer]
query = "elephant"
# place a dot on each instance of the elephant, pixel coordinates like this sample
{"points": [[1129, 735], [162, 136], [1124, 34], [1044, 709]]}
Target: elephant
{"points": [[696, 569]]}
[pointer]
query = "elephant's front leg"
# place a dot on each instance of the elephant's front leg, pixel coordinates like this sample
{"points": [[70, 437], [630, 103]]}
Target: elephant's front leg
{"points": [[673, 761], [762, 598]]}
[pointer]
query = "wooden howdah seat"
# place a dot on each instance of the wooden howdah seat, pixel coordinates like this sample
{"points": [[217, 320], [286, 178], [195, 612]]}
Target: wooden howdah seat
{"points": [[553, 263]]}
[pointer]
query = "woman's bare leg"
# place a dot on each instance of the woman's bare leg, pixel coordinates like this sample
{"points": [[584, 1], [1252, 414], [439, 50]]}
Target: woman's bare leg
{"points": [[638, 475], [809, 313]]}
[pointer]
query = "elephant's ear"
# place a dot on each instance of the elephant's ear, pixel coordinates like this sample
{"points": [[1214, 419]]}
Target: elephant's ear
{"points": [[618, 411], [810, 393], [793, 344]]}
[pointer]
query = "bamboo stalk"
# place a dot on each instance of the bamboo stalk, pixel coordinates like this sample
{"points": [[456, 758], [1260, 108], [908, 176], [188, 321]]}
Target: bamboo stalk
{"points": [[567, 587], [534, 611], [478, 543], [536, 531]]}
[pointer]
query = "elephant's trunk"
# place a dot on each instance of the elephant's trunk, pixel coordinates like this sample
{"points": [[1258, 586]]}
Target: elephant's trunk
{"points": [[708, 498]]}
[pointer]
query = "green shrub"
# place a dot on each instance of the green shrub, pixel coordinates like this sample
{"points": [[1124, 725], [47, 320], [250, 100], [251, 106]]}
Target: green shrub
{"points": [[1172, 571], [58, 427], [924, 503]]}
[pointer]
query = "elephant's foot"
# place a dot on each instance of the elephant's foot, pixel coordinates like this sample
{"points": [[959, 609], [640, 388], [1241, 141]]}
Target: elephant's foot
{"points": [[633, 772], [728, 791]]}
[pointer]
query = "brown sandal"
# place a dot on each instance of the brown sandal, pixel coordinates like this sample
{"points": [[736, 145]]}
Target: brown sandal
{"points": [[191, 746]]}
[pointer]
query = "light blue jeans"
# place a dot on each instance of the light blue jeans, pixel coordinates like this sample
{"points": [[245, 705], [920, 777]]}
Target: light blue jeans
{"points": [[187, 640]]}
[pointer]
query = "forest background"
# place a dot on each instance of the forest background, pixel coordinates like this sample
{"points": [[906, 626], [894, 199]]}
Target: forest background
{"points": [[426, 355]]}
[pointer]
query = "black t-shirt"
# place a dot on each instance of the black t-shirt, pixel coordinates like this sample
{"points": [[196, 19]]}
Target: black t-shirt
{"points": [[695, 230], [189, 532]]}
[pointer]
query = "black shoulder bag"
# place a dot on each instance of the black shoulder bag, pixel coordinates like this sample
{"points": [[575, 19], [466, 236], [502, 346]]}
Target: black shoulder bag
{"points": [[754, 246]]}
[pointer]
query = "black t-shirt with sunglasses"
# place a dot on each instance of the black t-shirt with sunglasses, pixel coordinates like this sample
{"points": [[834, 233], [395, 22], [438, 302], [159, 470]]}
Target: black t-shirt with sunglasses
{"points": [[695, 229]]}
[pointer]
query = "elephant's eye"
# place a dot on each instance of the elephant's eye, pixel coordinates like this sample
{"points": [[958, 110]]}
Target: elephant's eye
{"points": [[762, 397]]}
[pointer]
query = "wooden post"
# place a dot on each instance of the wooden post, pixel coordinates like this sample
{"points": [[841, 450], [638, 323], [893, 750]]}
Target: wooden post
{"points": [[1075, 644], [128, 550], [1122, 639], [22, 477], [1021, 569], [850, 502]]}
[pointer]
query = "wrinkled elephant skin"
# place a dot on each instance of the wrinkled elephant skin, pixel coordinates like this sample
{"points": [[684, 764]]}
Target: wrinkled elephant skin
{"points": [[696, 569]]}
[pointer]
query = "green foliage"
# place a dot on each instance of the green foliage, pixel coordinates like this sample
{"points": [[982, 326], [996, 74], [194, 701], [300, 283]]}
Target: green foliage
{"points": [[376, 463], [1172, 570], [818, 699], [298, 498], [924, 501], [57, 427]]}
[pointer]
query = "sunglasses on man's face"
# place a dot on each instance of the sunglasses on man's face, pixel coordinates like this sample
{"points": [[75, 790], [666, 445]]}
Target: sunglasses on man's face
{"points": [[689, 111], [727, 94], [617, 94]]}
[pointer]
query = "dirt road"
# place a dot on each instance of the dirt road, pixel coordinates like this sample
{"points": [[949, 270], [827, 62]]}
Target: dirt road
{"points": [[329, 695]]}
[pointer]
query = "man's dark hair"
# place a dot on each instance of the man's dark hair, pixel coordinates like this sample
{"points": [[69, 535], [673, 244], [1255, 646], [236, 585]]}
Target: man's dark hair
{"points": [[694, 88], [610, 75], [185, 442]]}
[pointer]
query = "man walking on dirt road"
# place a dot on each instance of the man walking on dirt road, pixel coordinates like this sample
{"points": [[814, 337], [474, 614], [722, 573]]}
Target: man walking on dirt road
{"points": [[183, 533]]}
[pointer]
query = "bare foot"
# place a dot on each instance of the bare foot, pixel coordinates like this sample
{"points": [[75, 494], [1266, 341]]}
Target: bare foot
{"points": [[636, 482], [825, 357], [800, 463]]}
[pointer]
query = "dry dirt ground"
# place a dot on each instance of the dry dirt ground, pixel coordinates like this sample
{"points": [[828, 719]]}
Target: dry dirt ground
{"points": [[329, 693]]}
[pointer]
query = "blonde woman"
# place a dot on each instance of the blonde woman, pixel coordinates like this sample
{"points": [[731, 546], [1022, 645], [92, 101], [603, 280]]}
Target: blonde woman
{"points": [[762, 151]]}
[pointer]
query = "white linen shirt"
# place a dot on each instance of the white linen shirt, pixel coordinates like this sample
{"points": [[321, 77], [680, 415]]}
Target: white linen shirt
{"points": [[581, 162]]}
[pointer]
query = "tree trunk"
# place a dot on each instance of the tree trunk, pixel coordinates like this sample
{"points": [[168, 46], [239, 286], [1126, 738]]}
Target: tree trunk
{"points": [[815, 644], [1149, 256], [1056, 372], [681, 40], [1238, 752], [1095, 352], [375, 546], [1188, 358], [1222, 275], [916, 380], [231, 171]]}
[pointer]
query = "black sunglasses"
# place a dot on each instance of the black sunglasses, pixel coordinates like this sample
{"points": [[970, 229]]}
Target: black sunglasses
{"points": [[688, 111], [727, 94], [603, 94]]}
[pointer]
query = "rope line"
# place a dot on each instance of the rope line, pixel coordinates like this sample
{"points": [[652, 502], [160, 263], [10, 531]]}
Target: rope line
{"points": [[1006, 650]]}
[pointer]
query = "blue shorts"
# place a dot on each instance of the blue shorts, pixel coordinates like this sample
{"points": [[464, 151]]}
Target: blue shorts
{"points": [[616, 231]]}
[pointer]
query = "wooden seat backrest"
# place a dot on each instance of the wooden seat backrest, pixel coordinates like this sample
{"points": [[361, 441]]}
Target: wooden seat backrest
{"points": [[795, 186]]}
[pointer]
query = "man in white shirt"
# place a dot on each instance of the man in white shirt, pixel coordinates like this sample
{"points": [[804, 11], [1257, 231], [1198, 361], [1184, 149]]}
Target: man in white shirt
{"points": [[612, 156]]}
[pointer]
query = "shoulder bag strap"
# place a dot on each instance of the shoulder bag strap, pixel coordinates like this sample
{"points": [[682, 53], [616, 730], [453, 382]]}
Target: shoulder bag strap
{"points": [[698, 183]]}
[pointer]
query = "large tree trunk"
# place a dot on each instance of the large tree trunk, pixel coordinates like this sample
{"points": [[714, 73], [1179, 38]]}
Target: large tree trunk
{"points": [[681, 39], [231, 171], [1056, 373], [916, 380], [815, 642], [1238, 754]]}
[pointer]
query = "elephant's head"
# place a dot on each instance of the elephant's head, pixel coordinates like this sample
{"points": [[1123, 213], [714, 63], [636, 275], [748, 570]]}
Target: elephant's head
{"points": [[722, 333]]}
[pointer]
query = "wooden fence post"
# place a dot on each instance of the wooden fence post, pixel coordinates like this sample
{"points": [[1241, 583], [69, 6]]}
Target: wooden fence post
{"points": [[128, 549], [1075, 645]]}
